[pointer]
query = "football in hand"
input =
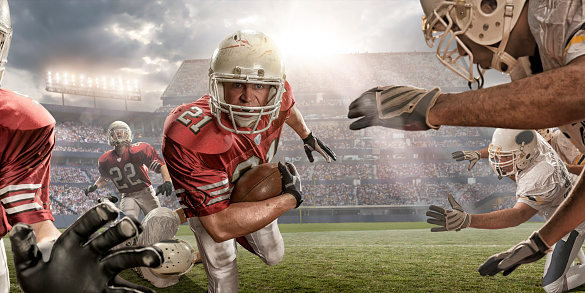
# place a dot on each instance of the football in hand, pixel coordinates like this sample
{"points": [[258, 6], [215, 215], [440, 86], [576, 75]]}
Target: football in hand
{"points": [[259, 183]]}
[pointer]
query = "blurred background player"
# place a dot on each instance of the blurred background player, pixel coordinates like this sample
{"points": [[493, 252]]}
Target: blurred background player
{"points": [[26, 143], [570, 155], [127, 166], [211, 142], [542, 183]]}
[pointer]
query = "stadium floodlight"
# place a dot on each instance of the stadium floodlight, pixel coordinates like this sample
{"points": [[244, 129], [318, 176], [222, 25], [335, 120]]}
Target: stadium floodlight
{"points": [[84, 85]]}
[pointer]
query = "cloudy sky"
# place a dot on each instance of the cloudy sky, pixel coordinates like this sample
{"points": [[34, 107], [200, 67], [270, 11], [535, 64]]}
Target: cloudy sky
{"points": [[147, 40]]}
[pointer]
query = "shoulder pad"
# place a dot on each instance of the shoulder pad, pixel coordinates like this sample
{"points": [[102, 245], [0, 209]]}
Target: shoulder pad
{"points": [[105, 156], [193, 126], [138, 147]]}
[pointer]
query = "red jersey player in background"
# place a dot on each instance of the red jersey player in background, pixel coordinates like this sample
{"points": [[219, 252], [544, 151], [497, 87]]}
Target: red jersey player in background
{"points": [[210, 143], [44, 259], [127, 166]]}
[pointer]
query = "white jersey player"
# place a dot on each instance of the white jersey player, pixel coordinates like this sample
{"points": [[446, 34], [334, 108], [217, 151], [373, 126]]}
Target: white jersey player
{"points": [[543, 182]]}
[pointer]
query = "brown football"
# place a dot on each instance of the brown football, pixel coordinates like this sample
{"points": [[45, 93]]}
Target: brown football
{"points": [[257, 184]]}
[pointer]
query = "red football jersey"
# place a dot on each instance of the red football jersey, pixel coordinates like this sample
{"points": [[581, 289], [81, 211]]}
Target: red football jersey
{"points": [[27, 139], [130, 171], [204, 160]]}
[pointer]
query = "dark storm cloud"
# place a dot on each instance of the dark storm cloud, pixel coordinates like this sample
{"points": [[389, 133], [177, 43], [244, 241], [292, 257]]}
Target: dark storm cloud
{"points": [[148, 39]]}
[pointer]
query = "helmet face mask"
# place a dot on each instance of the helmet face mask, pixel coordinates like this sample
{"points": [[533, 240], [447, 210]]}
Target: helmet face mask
{"points": [[119, 133], [5, 35], [487, 23], [246, 57], [512, 151]]}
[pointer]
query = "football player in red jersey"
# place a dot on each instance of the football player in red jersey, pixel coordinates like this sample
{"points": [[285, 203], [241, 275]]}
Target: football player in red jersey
{"points": [[44, 259], [210, 143], [127, 166]]}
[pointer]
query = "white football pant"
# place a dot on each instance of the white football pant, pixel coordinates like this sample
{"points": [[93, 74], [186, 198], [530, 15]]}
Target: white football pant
{"points": [[4, 277], [219, 259], [145, 200]]}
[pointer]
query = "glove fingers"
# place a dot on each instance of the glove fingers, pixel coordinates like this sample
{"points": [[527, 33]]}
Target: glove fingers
{"points": [[363, 105], [119, 285], [90, 222], [454, 204], [439, 229], [23, 241], [284, 172], [490, 266], [471, 164], [134, 256], [309, 154], [437, 209], [292, 168], [329, 154], [362, 123], [123, 230], [510, 270]]}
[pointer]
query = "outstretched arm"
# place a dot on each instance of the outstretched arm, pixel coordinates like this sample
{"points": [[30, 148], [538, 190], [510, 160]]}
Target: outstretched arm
{"points": [[548, 99]]}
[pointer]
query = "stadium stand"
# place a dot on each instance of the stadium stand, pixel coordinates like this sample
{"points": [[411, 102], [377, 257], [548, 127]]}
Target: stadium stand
{"points": [[375, 166]]}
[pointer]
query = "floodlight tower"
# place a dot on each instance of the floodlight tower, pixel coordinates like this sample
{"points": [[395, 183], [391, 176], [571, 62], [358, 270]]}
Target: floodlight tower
{"points": [[81, 85]]}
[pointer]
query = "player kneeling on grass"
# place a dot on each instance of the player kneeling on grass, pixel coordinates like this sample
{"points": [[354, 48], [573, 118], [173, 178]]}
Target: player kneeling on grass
{"points": [[159, 229], [542, 182]]}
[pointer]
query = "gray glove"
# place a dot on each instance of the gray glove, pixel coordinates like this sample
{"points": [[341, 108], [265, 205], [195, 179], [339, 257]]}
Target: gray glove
{"points": [[527, 251], [472, 156], [400, 107], [449, 220]]}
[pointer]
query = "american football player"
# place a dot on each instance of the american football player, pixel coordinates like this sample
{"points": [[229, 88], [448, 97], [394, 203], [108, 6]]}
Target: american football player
{"points": [[497, 34], [542, 182], [44, 259], [210, 143], [127, 166]]}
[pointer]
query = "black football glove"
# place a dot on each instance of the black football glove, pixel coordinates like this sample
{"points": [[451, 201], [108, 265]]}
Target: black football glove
{"points": [[527, 251], [90, 189], [80, 260], [165, 189], [400, 107], [314, 144], [291, 181]]}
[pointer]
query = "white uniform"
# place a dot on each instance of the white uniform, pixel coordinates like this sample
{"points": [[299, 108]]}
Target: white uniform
{"points": [[543, 186], [566, 149], [557, 27]]}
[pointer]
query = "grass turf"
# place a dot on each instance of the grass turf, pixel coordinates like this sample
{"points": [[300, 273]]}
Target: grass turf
{"points": [[371, 257]]}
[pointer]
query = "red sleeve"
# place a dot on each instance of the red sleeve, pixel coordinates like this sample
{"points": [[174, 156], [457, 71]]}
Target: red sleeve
{"points": [[288, 98], [25, 169], [202, 191], [103, 166], [149, 156]]}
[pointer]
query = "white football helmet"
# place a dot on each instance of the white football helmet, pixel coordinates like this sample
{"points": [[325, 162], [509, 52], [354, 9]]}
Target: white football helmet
{"points": [[512, 150], [546, 133], [179, 257], [246, 57], [119, 133], [446, 20], [5, 35]]}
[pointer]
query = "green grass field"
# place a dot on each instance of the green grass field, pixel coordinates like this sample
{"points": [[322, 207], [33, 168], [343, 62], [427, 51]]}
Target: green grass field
{"points": [[372, 257]]}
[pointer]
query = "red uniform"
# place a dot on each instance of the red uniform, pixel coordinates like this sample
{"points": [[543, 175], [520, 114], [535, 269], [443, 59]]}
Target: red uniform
{"points": [[27, 139], [130, 171], [205, 160]]}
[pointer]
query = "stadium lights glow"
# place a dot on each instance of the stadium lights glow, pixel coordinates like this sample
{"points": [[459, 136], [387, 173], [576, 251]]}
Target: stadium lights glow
{"points": [[84, 85]]}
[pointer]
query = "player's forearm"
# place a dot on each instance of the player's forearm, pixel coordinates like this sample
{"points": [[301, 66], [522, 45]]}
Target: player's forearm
{"points": [[101, 182], [297, 123], [575, 169], [45, 231], [164, 172], [549, 99], [568, 216], [246, 217], [499, 219]]}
